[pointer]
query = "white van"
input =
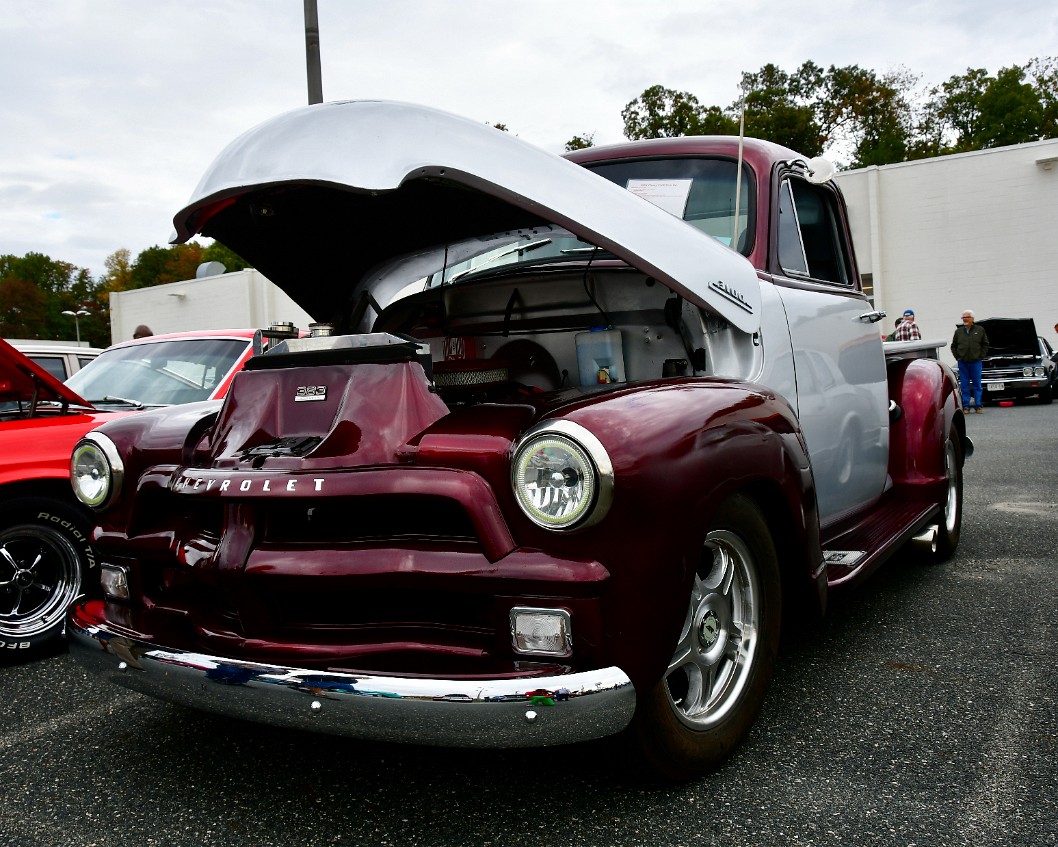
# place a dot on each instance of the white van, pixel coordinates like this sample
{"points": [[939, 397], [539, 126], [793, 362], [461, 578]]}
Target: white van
{"points": [[62, 359]]}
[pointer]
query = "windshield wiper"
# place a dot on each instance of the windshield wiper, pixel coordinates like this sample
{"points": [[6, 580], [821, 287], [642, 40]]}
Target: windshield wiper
{"points": [[517, 248], [110, 398], [585, 250]]}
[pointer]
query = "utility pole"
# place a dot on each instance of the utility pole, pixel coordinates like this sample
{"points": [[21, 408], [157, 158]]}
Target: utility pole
{"points": [[312, 52]]}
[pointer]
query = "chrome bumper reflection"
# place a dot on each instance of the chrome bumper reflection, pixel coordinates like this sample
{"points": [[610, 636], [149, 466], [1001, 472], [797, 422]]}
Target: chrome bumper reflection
{"points": [[522, 712]]}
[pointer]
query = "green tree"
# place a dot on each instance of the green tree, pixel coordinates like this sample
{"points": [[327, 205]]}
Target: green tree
{"points": [[864, 113], [958, 106], [1010, 111], [580, 142], [714, 121], [118, 273], [158, 265], [976, 111], [217, 252], [35, 290], [662, 113], [23, 309], [1044, 75], [781, 107]]}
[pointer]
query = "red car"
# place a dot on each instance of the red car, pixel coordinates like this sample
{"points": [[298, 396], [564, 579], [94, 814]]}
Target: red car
{"points": [[45, 555]]}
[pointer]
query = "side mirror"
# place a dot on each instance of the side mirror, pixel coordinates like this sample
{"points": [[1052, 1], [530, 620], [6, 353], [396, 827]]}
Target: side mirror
{"points": [[820, 170]]}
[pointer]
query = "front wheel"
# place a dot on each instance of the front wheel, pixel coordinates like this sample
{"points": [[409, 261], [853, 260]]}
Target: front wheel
{"points": [[716, 680], [44, 556]]}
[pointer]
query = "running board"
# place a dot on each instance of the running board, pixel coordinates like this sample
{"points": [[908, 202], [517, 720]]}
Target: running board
{"points": [[854, 549]]}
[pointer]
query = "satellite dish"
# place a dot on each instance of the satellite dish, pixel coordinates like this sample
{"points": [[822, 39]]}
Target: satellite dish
{"points": [[210, 269], [820, 170]]}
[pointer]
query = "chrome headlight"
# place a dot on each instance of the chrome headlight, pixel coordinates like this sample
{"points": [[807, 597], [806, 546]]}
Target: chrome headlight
{"points": [[1026, 371], [1037, 371], [562, 476], [96, 471]]}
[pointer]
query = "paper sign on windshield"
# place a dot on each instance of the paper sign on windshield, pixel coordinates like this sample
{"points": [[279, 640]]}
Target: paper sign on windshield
{"points": [[668, 194]]}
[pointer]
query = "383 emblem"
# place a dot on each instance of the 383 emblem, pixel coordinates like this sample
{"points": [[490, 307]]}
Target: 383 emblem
{"points": [[310, 392]]}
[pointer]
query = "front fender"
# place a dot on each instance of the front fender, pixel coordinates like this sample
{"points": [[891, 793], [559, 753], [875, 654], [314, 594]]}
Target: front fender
{"points": [[155, 437], [679, 448]]}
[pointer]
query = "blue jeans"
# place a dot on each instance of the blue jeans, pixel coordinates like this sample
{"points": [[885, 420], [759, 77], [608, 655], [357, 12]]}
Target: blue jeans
{"points": [[970, 377]]}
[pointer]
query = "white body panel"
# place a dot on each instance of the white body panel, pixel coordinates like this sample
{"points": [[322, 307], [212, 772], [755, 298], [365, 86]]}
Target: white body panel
{"points": [[376, 146], [842, 398]]}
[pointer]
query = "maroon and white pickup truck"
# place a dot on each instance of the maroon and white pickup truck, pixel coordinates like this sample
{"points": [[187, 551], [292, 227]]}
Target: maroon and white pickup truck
{"points": [[580, 436]]}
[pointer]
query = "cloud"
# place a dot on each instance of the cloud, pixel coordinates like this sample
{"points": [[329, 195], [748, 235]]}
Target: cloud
{"points": [[112, 109]]}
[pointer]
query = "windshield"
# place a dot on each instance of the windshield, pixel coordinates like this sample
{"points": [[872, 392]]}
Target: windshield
{"points": [[532, 247], [158, 373], [701, 191]]}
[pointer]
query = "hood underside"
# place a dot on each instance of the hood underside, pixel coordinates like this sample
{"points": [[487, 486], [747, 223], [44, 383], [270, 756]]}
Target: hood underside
{"points": [[1011, 336], [317, 198], [24, 381]]}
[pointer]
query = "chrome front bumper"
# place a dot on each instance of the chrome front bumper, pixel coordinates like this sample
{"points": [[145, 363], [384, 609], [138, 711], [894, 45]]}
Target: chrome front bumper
{"points": [[521, 712]]}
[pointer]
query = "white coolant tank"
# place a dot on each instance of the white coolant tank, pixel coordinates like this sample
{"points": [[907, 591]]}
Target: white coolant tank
{"points": [[600, 357]]}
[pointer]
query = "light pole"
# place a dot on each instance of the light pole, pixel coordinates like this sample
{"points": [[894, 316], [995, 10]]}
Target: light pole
{"points": [[80, 313], [312, 52]]}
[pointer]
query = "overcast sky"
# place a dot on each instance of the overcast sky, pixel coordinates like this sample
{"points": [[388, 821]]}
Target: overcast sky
{"points": [[110, 110]]}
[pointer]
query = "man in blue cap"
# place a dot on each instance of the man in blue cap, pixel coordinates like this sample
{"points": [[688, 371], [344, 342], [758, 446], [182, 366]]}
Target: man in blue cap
{"points": [[908, 329]]}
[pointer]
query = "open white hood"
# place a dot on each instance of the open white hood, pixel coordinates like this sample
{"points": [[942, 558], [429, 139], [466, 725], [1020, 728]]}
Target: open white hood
{"points": [[317, 197]]}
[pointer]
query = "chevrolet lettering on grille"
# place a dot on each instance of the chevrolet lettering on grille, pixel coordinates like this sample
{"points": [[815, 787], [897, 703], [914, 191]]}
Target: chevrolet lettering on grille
{"points": [[186, 484]]}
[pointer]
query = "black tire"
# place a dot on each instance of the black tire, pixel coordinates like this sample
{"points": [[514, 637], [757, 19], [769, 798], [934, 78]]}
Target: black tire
{"points": [[950, 525], [45, 557], [1046, 396], [697, 715]]}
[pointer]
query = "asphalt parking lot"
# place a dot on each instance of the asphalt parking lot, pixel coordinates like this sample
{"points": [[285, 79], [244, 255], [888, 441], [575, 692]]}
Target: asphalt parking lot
{"points": [[923, 711]]}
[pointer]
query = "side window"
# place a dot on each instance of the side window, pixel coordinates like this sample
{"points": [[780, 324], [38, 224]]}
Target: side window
{"points": [[810, 240], [55, 365], [791, 251]]}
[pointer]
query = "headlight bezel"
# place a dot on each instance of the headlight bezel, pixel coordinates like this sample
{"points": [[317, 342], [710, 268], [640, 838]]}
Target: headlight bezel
{"points": [[102, 448], [580, 442]]}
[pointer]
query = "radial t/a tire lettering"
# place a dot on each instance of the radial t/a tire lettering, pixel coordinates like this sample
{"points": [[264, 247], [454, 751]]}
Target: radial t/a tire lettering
{"points": [[717, 678], [45, 556]]}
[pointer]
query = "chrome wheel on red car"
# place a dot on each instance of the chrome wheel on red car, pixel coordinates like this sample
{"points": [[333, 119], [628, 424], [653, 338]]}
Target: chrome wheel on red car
{"points": [[719, 672], [44, 552]]}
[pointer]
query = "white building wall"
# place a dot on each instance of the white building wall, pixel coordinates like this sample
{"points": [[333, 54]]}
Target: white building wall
{"points": [[968, 231], [241, 299]]}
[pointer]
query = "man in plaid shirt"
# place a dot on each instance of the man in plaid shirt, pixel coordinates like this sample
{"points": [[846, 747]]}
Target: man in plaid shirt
{"points": [[908, 329]]}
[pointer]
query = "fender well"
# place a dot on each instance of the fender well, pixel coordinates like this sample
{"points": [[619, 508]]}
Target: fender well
{"points": [[696, 444]]}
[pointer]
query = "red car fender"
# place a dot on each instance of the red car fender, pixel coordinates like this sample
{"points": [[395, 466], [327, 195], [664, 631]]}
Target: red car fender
{"points": [[40, 448]]}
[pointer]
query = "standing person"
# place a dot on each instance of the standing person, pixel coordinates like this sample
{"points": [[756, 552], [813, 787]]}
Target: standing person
{"points": [[907, 329], [969, 346]]}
